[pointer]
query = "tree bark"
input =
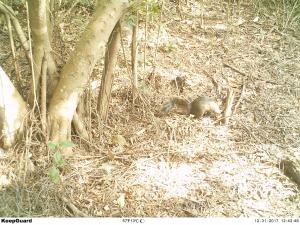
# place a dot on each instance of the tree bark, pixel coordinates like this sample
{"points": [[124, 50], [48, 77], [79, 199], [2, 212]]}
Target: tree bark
{"points": [[75, 74], [41, 45], [111, 56], [50, 19], [12, 112], [44, 95]]}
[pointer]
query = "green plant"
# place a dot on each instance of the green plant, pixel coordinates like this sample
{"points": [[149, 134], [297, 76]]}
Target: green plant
{"points": [[58, 161], [83, 3], [286, 12], [149, 8], [13, 2], [171, 46]]}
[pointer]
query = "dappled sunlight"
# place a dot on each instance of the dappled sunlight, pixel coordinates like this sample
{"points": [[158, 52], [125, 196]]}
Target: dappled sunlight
{"points": [[257, 185], [188, 148], [174, 179], [212, 139]]}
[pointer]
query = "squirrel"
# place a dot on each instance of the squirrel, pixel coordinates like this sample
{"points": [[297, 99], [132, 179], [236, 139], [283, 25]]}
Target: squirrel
{"points": [[200, 106]]}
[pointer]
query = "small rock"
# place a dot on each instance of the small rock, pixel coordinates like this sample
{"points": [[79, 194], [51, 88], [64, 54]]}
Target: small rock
{"points": [[121, 200], [106, 208]]}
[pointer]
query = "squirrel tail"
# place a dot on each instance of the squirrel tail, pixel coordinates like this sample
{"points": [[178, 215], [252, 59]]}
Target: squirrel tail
{"points": [[178, 102], [168, 106]]}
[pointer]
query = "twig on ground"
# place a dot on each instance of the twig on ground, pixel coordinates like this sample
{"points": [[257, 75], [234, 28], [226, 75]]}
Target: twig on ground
{"points": [[234, 68], [240, 99], [228, 106], [74, 209]]}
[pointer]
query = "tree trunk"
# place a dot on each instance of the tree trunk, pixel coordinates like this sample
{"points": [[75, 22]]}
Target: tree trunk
{"points": [[134, 51], [12, 112], [50, 19], [75, 74], [40, 36], [111, 56]]}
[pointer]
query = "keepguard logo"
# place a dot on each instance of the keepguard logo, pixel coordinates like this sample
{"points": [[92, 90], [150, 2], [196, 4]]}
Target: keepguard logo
{"points": [[15, 221]]}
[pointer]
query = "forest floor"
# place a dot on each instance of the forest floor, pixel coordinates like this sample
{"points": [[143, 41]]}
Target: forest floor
{"points": [[175, 165]]}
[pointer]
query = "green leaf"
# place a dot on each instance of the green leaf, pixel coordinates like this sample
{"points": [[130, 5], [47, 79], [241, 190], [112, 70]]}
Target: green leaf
{"points": [[52, 145], [155, 9], [66, 144], [54, 174], [58, 159]]}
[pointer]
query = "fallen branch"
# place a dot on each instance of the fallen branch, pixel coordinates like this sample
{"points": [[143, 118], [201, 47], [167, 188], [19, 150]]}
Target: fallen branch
{"points": [[234, 68]]}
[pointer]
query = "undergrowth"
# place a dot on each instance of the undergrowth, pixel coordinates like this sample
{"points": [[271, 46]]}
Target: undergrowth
{"points": [[286, 12]]}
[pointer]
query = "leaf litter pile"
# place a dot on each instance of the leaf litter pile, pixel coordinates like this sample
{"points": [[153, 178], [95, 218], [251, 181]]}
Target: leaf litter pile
{"points": [[143, 163]]}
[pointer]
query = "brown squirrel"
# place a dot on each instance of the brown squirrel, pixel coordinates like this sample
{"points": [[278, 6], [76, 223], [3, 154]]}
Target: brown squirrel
{"points": [[198, 107]]}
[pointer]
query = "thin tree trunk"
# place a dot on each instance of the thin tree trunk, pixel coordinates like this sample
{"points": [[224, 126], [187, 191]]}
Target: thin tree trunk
{"points": [[111, 56], [44, 95], [13, 50], [134, 51], [75, 74], [40, 36], [20, 33]]}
